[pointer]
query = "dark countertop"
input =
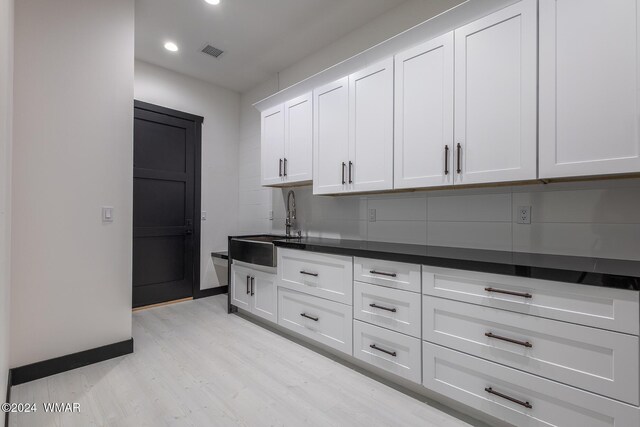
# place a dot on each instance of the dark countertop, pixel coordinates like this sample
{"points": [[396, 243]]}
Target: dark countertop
{"points": [[220, 254], [611, 273]]}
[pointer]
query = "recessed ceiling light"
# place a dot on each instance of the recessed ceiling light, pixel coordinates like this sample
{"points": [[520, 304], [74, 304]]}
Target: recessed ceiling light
{"points": [[213, 1], [171, 46]]}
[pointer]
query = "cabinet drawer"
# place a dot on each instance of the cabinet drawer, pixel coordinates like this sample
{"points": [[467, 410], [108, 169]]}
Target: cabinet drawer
{"points": [[469, 380], [386, 307], [388, 350], [606, 308], [325, 321], [395, 275], [600, 361], [322, 275]]}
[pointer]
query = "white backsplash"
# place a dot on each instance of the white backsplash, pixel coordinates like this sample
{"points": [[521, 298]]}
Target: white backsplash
{"points": [[597, 218]]}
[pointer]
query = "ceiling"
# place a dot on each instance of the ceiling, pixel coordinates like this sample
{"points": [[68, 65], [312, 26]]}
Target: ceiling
{"points": [[258, 37]]}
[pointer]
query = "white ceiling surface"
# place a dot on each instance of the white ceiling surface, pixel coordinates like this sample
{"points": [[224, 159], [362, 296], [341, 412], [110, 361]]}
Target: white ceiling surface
{"points": [[259, 37]]}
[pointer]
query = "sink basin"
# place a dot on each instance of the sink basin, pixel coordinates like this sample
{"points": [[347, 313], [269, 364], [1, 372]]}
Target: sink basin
{"points": [[258, 249]]}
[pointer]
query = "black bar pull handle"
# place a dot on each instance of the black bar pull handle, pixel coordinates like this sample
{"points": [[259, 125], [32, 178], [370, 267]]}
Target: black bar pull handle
{"points": [[285, 166], [248, 285], [382, 273], [344, 165], [459, 159], [502, 291], [350, 172], [509, 398], [280, 167], [253, 286], [315, 319], [374, 305], [308, 274], [498, 337], [446, 160], [390, 353]]}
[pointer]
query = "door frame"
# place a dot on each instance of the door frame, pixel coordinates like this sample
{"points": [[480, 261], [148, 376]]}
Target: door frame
{"points": [[197, 197]]}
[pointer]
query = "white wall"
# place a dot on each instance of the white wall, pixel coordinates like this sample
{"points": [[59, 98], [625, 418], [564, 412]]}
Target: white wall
{"points": [[6, 106], [587, 218], [72, 154], [255, 202], [220, 135]]}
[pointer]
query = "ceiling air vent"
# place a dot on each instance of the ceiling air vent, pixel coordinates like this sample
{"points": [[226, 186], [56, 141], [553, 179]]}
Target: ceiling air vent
{"points": [[213, 51]]}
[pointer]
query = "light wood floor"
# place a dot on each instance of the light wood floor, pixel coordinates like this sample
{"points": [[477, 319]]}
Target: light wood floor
{"points": [[194, 365]]}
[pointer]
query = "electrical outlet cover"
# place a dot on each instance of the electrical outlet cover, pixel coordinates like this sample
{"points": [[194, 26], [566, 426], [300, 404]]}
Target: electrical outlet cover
{"points": [[372, 215], [524, 215]]}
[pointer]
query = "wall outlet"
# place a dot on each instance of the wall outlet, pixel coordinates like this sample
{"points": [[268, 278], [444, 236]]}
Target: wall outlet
{"points": [[524, 215], [372, 215]]}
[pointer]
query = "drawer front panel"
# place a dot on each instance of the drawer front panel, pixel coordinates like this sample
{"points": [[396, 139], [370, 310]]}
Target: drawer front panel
{"points": [[600, 361], [325, 321], [322, 275], [487, 386], [606, 308], [395, 275], [388, 350], [389, 308]]}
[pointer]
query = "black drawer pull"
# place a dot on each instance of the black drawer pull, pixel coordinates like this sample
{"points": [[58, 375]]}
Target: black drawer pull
{"points": [[374, 305], [248, 285], [308, 274], [382, 273], [446, 160], [459, 159], [502, 291], [315, 319], [509, 398], [344, 165], [498, 337], [375, 347], [253, 282], [279, 167]]}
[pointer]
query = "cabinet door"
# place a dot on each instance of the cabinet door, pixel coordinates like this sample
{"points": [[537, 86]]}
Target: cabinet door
{"points": [[371, 127], [495, 100], [298, 120], [264, 297], [240, 287], [423, 142], [330, 137], [272, 147], [589, 87]]}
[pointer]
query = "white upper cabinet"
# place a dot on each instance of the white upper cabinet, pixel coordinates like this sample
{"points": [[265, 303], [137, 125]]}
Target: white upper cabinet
{"points": [[298, 137], [272, 146], [287, 138], [423, 142], [371, 128], [331, 137], [496, 97], [589, 86]]}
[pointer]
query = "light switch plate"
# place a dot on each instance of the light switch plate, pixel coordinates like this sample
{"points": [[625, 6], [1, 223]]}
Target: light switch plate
{"points": [[107, 214], [271, 215], [524, 215], [203, 215], [372, 215]]}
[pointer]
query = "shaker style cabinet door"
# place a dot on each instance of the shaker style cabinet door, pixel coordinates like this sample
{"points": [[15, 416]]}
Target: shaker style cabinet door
{"points": [[495, 97], [272, 145], [371, 128], [423, 142], [331, 137], [298, 124], [241, 287], [264, 295], [589, 87]]}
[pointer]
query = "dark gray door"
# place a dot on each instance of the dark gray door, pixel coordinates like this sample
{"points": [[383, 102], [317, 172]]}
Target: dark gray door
{"points": [[164, 161]]}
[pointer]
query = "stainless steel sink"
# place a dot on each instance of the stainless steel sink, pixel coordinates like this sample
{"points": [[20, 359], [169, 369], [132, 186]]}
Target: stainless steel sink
{"points": [[257, 249]]}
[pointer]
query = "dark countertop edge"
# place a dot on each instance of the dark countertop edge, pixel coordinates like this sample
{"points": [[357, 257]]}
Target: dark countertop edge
{"points": [[220, 254], [581, 277]]}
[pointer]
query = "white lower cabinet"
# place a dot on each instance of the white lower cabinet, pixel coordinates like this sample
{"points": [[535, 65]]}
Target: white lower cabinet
{"points": [[327, 322], [394, 352], [517, 397], [596, 360], [254, 291], [386, 307]]}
